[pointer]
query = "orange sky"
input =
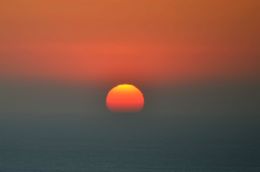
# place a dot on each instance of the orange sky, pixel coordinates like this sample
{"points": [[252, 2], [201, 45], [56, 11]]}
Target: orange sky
{"points": [[129, 40]]}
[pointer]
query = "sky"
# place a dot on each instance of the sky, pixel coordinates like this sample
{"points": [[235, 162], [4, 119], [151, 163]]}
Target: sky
{"points": [[146, 41]]}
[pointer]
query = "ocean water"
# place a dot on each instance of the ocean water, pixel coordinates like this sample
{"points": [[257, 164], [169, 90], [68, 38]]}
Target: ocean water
{"points": [[205, 129], [125, 144]]}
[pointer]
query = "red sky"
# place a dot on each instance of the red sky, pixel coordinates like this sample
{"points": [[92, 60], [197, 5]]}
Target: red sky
{"points": [[130, 40]]}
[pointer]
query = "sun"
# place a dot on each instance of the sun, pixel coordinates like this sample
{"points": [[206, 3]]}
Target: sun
{"points": [[125, 98]]}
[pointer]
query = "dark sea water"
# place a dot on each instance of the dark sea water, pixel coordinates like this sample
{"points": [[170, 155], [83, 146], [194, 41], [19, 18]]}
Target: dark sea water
{"points": [[127, 145], [186, 130]]}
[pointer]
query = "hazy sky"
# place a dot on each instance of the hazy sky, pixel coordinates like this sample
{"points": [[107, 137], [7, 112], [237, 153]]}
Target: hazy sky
{"points": [[130, 40]]}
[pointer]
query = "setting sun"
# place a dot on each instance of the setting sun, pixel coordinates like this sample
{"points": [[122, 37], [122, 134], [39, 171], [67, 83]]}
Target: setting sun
{"points": [[125, 98]]}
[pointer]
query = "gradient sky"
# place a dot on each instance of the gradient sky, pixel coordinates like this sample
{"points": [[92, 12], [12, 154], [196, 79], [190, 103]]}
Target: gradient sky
{"points": [[130, 40]]}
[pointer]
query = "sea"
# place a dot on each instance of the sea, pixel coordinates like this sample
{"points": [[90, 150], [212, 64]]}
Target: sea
{"points": [[184, 130]]}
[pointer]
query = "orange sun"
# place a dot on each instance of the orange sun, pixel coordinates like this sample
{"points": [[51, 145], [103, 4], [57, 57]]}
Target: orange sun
{"points": [[125, 98]]}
